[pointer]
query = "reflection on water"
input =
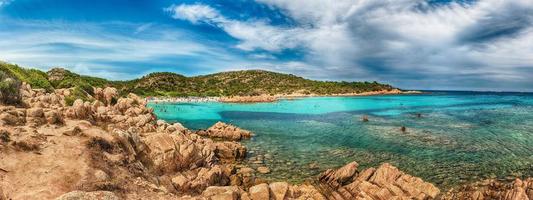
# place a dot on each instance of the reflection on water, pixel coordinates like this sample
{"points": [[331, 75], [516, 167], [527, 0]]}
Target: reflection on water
{"points": [[450, 138]]}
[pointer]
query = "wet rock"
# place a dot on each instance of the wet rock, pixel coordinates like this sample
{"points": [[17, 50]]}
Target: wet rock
{"points": [[96, 195], [263, 170], [493, 189]]}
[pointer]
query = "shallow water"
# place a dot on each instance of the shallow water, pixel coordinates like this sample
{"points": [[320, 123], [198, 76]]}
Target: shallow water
{"points": [[461, 136]]}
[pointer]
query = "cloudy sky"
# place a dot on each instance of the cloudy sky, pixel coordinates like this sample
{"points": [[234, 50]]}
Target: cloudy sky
{"points": [[412, 44]]}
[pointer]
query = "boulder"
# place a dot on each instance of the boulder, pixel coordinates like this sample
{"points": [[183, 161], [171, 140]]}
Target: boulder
{"points": [[279, 190], [173, 152], [221, 193], [35, 116], [259, 192], [108, 94], [229, 152], [340, 176], [385, 182], [263, 170], [53, 117], [226, 131], [181, 183]]}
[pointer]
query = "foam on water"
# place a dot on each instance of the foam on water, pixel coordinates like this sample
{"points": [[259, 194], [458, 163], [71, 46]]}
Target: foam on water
{"points": [[460, 137]]}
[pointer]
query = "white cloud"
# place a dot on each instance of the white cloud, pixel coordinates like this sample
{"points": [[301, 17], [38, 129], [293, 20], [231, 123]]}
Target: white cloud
{"points": [[491, 38], [4, 2]]}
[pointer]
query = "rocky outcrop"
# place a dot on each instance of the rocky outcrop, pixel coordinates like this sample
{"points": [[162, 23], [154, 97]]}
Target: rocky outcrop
{"points": [[385, 182], [106, 95], [225, 131], [493, 189]]}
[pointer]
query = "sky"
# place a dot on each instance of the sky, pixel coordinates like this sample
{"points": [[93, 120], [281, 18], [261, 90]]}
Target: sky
{"points": [[412, 44]]}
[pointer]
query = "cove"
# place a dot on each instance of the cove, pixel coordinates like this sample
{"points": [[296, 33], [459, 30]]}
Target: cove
{"points": [[459, 137]]}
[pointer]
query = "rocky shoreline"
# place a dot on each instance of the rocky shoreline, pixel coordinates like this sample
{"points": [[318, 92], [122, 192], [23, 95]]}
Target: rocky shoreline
{"points": [[115, 148]]}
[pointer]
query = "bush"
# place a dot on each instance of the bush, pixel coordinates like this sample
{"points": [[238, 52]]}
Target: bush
{"points": [[9, 90], [79, 92]]}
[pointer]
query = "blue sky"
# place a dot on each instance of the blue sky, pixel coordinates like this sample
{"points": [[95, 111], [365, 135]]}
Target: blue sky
{"points": [[414, 44]]}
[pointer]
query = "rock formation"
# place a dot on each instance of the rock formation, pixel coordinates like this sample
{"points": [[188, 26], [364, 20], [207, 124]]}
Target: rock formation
{"points": [[493, 189], [226, 131], [385, 182]]}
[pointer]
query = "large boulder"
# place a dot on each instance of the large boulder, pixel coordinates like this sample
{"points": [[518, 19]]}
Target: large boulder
{"points": [[168, 153], [109, 94], [225, 131], [229, 152], [80, 110], [279, 190], [259, 192], [340, 176], [385, 182]]}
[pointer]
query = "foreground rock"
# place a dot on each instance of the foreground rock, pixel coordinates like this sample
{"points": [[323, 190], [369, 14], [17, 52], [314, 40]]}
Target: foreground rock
{"points": [[385, 182], [225, 131], [492, 189]]}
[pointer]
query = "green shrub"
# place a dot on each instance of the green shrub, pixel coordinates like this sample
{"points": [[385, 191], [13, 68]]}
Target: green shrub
{"points": [[9, 90]]}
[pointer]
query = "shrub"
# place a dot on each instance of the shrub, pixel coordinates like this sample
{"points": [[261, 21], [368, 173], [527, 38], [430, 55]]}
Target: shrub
{"points": [[9, 90]]}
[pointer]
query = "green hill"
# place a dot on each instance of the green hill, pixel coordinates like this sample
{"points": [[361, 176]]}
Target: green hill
{"points": [[234, 83]]}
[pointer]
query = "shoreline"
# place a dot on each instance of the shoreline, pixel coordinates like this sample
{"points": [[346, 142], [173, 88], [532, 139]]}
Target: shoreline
{"points": [[270, 98]]}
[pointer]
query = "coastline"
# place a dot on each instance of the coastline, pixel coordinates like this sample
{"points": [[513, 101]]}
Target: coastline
{"points": [[271, 98]]}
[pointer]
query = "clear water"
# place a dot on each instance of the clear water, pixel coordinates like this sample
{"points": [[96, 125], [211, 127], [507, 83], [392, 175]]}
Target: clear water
{"points": [[461, 136]]}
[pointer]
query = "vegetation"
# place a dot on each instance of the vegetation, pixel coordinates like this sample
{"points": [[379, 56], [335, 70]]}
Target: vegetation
{"points": [[9, 89], [236, 83], [242, 83], [36, 78]]}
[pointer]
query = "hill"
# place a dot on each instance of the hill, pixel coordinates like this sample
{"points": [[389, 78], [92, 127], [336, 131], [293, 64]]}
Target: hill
{"points": [[234, 83], [243, 83]]}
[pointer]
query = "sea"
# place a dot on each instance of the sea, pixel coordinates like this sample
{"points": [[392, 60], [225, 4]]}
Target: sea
{"points": [[447, 138]]}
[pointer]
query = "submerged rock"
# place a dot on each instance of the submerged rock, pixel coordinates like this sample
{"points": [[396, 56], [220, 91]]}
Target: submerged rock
{"points": [[493, 189]]}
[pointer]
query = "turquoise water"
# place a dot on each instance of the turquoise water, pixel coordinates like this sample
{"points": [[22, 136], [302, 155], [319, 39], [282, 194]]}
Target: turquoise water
{"points": [[460, 136]]}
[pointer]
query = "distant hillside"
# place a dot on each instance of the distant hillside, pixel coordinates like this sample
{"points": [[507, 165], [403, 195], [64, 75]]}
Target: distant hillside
{"points": [[241, 83], [234, 83]]}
